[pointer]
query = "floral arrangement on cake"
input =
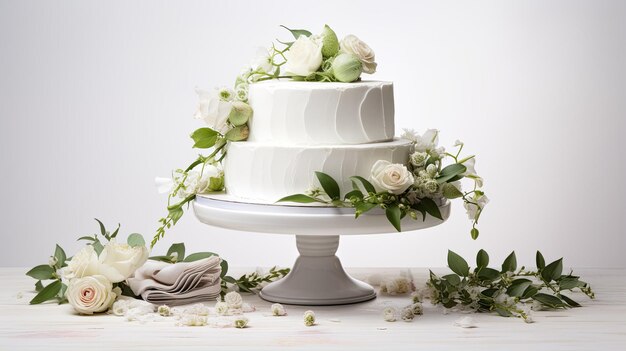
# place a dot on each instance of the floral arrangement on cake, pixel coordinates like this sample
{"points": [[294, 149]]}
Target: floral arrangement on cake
{"points": [[419, 186], [321, 57]]}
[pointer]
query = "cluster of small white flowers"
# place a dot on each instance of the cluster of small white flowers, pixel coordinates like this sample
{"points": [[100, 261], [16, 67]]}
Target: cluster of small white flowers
{"points": [[396, 286], [309, 318], [278, 310]]}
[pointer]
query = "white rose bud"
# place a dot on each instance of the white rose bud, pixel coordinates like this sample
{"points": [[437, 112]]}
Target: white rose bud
{"points": [[392, 177], [119, 261], [164, 310], [346, 68], [353, 45], [240, 322], [309, 318], [91, 294], [233, 300], [389, 314], [330, 43], [278, 310], [304, 57]]}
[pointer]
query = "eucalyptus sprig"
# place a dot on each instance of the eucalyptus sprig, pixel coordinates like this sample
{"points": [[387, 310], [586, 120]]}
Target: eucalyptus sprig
{"points": [[508, 291], [246, 283]]}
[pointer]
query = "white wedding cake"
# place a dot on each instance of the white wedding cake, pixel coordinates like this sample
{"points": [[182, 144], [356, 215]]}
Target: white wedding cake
{"points": [[298, 128]]}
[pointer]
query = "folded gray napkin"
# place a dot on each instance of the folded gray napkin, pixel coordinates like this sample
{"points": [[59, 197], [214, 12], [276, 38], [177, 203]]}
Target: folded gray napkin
{"points": [[178, 284]]}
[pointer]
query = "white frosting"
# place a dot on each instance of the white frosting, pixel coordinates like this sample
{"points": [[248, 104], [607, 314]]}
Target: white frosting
{"points": [[266, 173], [314, 113]]}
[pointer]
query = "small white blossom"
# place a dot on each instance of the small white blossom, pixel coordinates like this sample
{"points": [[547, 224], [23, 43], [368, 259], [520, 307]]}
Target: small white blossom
{"points": [[309, 318], [278, 310], [416, 308], [241, 92], [396, 286], [418, 159], [416, 297], [458, 143], [221, 308], [193, 320], [164, 310], [120, 307], [247, 308], [240, 322], [472, 208], [465, 322], [233, 299], [52, 261], [407, 314], [390, 314]]}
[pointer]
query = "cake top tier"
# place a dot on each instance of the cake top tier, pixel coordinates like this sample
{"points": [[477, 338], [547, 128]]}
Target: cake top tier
{"points": [[313, 113]]}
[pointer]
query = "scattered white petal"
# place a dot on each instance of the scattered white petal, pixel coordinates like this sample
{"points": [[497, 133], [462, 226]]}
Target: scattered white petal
{"points": [[465, 322]]}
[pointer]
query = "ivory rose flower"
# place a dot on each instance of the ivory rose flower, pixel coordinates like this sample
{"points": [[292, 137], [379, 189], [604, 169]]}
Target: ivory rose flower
{"points": [[304, 57], [83, 263], [214, 109], [392, 177], [355, 46], [120, 261], [90, 294]]}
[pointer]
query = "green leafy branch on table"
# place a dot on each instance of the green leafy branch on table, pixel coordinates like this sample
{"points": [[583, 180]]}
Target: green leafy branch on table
{"points": [[508, 291]]}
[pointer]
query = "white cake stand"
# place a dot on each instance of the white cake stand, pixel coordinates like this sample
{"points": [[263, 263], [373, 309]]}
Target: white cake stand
{"points": [[317, 277]]}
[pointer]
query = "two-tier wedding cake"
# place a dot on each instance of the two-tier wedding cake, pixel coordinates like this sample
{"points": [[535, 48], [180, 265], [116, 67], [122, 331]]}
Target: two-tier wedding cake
{"points": [[299, 128]]}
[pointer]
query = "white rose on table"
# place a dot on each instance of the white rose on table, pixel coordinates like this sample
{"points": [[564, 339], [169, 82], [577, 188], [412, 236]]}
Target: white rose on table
{"points": [[119, 261], [90, 294], [304, 57], [355, 46], [83, 263], [392, 177], [213, 109]]}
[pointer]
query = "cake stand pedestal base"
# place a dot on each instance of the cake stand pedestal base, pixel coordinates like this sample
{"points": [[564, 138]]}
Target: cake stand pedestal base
{"points": [[317, 278]]}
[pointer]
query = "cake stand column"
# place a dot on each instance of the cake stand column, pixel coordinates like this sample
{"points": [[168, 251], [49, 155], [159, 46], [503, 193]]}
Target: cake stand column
{"points": [[317, 278]]}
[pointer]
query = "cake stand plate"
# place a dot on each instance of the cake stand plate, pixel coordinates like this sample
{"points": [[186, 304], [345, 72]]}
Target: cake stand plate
{"points": [[317, 277]]}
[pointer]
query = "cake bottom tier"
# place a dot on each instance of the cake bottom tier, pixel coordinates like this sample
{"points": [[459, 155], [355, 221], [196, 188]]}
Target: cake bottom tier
{"points": [[266, 173]]}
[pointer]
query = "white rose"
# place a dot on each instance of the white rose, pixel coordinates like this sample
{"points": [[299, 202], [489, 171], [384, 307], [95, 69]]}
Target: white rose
{"points": [[472, 209], [119, 261], [304, 57], [392, 177], [213, 110], [233, 300], [90, 294], [353, 45], [83, 263]]}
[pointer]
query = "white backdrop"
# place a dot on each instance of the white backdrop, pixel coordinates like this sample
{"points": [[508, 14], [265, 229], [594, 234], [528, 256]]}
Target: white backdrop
{"points": [[96, 100]]}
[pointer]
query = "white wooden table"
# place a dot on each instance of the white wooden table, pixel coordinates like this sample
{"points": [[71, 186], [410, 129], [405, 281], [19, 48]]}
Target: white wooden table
{"points": [[599, 325]]}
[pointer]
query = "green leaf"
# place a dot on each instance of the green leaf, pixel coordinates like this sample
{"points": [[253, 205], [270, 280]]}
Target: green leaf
{"points": [[59, 254], [199, 256], [394, 216], [451, 192], [510, 263], [482, 259], [354, 193], [452, 279], [503, 312], [88, 238], [167, 259], [224, 265], [450, 172], [549, 300], [329, 185], [117, 230], [553, 270], [431, 207], [489, 274], [362, 207], [301, 198], [369, 188], [61, 294], [567, 283], [457, 264], [38, 286], [298, 32], [530, 292], [489, 292], [204, 138], [175, 214], [569, 301], [103, 230], [97, 247], [41, 272], [541, 262], [135, 240], [229, 279], [179, 249], [518, 287], [47, 293]]}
